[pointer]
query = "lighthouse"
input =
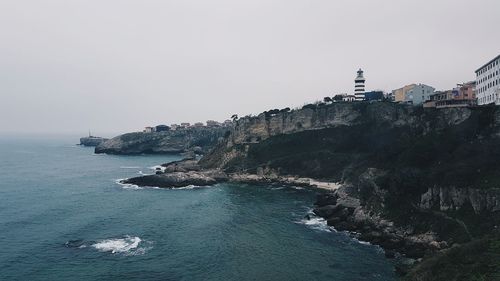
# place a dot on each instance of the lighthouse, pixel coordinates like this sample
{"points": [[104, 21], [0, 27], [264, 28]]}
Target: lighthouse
{"points": [[359, 86]]}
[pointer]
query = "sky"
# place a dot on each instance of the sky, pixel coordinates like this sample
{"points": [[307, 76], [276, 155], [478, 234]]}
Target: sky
{"points": [[115, 66]]}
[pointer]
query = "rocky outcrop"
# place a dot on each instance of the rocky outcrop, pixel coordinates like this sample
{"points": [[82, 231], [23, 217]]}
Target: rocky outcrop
{"points": [[92, 141], [174, 180], [347, 213], [385, 156], [380, 160], [389, 116], [263, 126], [453, 199], [198, 140]]}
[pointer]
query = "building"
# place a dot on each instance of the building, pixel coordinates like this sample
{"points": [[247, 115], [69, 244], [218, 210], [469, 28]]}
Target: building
{"points": [[346, 97], [419, 94], [415, 94], [461, 96], [227, 123], [359, 86], [162, 128], [389, 96], [174, 127], [374, 96], [198, 125], [149, 130], [399, 94], [185, 125], [488, 82]]}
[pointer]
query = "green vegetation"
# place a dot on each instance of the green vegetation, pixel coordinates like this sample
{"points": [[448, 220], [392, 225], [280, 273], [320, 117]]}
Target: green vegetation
{"points": [[477, 260], [412, 157]]}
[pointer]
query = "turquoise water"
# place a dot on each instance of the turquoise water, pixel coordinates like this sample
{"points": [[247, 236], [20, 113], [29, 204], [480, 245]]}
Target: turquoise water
{"points": [[64, 217]]}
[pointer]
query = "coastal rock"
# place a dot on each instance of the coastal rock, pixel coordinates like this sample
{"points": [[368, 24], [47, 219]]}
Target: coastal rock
{"points": [[92, 141], [197, 140], [173, 180], [181, 166], [451, 198]]}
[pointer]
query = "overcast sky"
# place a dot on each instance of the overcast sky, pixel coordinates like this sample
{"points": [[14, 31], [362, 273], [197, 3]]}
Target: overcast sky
{"points": [[113, 66]]}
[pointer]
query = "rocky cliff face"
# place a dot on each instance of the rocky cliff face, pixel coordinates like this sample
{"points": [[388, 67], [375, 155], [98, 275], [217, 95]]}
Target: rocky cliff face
{"points": [[197, 139], [454, 199], [413, 180], [261, 127], [388, 117]]}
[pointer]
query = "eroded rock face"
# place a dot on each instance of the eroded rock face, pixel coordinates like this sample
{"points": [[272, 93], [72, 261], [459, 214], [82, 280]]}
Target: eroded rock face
{"points": [[345, 213], [261, 127], [197, 139], [451, 198]]}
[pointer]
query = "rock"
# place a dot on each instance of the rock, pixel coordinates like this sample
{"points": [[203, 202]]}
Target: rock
{"points": [[326, 199], [345, 226], [185, 165], [452, 198], [333, 221], [198, 140], [327, 211], [173, 180], [390, 254]]}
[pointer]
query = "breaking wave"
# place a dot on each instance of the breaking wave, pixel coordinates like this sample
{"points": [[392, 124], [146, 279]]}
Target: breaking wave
{"points": [[314, 222], [189, 187], [127, 245], [157, 168], [127, 185]]}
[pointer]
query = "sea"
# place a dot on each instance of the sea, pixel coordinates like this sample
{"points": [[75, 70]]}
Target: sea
{"points": [[65, 216]]}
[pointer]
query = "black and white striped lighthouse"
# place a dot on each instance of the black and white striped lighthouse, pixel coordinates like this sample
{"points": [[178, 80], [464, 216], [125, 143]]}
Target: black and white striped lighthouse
{"points": [[359, 86]]}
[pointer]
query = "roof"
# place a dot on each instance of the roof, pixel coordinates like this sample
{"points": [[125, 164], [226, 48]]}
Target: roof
{"points": [[486, 64]]}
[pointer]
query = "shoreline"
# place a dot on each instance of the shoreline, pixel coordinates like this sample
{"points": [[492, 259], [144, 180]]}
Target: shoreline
{"points": [[334, 204]]}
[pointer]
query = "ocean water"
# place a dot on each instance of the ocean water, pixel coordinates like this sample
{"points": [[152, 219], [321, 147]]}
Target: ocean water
{"points": [[64, 217]]}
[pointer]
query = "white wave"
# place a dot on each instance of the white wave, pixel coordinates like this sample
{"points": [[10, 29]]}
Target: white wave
{"points": [[361, 242], [278, 188], [188, 187], [158, 168], [127, 245], [134, 186], [297, 187], [127, 185], [130, 167], [315, 223]]}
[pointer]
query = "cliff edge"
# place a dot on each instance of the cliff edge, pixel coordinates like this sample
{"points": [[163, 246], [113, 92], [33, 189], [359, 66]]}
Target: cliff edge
{"points": [[415, 181], [199, 140]]}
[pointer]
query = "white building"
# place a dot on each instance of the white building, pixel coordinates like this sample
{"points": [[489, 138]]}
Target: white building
{"points": [[349, 98], [488, 82], [359, 86]]}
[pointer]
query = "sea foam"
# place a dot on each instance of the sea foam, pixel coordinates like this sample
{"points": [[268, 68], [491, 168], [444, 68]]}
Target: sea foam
{"points": [[314, 222], [127, 185], [127, 245]]}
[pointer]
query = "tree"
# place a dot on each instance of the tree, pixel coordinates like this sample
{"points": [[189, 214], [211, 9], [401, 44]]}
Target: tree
{"points": [[327, 99], [338, 98]]}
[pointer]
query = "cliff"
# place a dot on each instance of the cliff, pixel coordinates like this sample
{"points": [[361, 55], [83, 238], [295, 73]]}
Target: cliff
{"points": [[92, 141], [422, 183], [415, 181], [198, 140]]}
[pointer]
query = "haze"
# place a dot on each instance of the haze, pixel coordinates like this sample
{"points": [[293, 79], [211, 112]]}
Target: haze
{"points": [[116, 66]]}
